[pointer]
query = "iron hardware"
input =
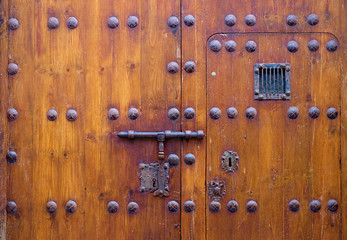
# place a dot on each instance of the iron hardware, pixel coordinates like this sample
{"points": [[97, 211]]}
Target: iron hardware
{"points": [[230, 161], [154, 177]]}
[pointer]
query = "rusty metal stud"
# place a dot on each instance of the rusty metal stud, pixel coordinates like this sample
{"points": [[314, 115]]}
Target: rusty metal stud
{"points": [[51, 207], [250, 20], [313, 19], [292, 20], [313, 45], [113, 114], [71, 206], [315, 206], [215, 207], [251, 113], [252, 206], [173, 114], [332, 205], [173, 22], [52, 115], [72, 22], [173, 159], [133, 208], [12, 68], [11, 156], [232, 113], [132, 21], [172, 67], [173, 206], [230, 46], [189, 20], [113, 22], [293, 112], [251, 46], [53, 23], [331, 46], [189, 206], [215, 46], [232, 206], [294, 205], [13, 23], [313, 112], [133, 113], [292, 46], [189, 113], [71, 115], [189, 67], [12, 114], [11, 207], [215, 113], [189, 159], [112, 207], [332, 113], [230, 20]]}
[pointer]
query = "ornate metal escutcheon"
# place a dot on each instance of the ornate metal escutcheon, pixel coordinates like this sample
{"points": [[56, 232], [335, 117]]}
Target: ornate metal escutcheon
{"points": [[216, 189], [230, 161]]}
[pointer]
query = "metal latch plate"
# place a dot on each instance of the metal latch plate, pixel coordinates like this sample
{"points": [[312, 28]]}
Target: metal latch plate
{"points": [[148, 174]]}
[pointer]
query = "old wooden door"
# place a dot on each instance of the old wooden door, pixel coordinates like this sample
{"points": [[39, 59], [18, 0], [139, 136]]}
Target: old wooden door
{"points": [[173, 119]]}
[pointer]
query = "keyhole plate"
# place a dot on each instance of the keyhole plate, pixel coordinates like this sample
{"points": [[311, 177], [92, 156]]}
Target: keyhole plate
{"points": [[148, 174], [230, 161]]}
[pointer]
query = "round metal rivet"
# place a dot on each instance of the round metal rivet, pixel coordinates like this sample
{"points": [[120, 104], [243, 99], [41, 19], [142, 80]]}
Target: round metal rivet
{"points": [[331, 46], [315, 206], [189, 113], [215, 113], [189, 20], [215, 207], [251, 46], [133, 113], [52, 115], [113, 114], [230, 46], [215, 46], [72, 22], [294, 205], [53, 23], [133, 208], [173, 114], [313, 112], [173, 160], [232, 206], [133, 21], [292, 46], [112, 207], [13, 23], [71, 206], [173, 206], [11, 207], [230, 20], [232, 113], [189, 66], [51, 207], [173, 22], [172, 67], [293, 112], [332, 113], [313, 19], [313, 45], [292, 20], [12, 114], [71, 115], [213, 74], [332, 205], [113, 22], [251, 113], [11, 156], [252, 206], [189, 159], [189, 206], [250, 20], [12, 68]]}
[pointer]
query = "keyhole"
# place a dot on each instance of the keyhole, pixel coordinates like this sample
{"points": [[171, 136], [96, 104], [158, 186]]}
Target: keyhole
{"points": [[154, 180], [230, 161]]}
